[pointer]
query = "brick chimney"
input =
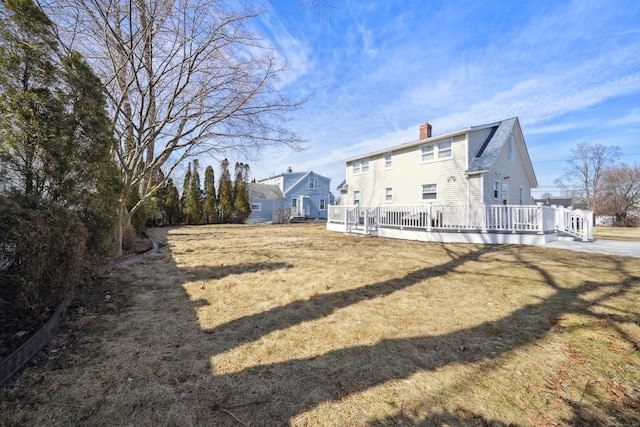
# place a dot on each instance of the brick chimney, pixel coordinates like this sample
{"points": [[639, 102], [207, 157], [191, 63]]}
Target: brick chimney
{"points": [[425, 130], [289, 169]]}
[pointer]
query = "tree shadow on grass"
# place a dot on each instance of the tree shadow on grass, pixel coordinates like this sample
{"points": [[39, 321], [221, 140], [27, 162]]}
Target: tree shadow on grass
{"points": [[285, 389], [302, 384]]}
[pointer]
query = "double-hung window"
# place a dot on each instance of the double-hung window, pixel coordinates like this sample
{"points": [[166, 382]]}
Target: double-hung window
{"points": [[429, 192], [387, 161], [356, 197], [360, 166], [322, 204], [312, 183], [444, 149], [496, 190], [388, 195], [428, 152], [436, 150]]}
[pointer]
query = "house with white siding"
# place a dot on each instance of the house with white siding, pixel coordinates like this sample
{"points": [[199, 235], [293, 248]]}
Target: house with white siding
{"points": [[476, 179], [486, 164]]}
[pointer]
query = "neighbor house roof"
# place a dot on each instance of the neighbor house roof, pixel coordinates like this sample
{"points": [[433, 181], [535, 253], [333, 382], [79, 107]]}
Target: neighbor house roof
{"points": [[264, 191]]}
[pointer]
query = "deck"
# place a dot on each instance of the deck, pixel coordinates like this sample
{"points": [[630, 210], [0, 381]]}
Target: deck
{"points": [[491, 224]]}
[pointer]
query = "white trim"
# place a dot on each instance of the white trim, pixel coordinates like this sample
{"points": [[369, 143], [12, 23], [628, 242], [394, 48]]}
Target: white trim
{"points": [[422, 193], [436, 151], [385, 161], [388, 191]]}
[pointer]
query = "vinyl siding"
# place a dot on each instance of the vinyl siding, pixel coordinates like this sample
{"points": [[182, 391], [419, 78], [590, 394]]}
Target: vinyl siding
{"points": [[514, 169], [407, 175], [300, 188], [265, 214]]}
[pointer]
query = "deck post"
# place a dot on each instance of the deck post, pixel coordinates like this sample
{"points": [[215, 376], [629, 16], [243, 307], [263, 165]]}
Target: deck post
{"points": [[366, 221], [540, 219], [429, 217], [483, 218]]}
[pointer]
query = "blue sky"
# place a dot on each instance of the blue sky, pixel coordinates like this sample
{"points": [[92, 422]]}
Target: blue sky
{"points": [[376, 70]]}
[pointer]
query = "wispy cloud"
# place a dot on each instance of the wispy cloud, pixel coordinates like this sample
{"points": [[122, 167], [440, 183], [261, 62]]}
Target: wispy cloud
{"points": [[382, 68]]}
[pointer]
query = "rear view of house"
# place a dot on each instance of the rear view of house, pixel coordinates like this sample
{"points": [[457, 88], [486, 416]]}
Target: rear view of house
{"points": [[487, 164], [470, 185]]}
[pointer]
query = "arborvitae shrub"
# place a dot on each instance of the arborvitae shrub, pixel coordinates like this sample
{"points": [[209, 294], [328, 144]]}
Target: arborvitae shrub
{"points": [[42, 248]]}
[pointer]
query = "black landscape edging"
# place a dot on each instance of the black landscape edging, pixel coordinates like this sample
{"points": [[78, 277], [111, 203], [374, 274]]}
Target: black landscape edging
{"points": [[13, 363]]}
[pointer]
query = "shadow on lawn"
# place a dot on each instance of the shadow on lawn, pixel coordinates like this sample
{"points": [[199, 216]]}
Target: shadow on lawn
{"points": [[340, 373]]}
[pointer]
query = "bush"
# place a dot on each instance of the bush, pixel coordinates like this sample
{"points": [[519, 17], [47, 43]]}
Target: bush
{"points": [[42, 248]]}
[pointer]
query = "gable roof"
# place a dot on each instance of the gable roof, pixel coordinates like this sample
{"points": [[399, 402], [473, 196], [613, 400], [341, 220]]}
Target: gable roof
{"points": [[264, 191]]}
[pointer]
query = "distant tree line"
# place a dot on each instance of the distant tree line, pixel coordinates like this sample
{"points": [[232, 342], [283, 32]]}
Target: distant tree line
{"points": [[228, 203]]}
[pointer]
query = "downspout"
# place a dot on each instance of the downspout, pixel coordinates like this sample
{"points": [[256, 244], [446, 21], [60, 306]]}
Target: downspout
{"points": [[468, 201]]}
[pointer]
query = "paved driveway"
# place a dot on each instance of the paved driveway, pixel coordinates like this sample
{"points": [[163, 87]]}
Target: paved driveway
{"points": [[611, 247]]}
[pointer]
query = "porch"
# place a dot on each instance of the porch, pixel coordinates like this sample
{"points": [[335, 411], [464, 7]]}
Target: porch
{"points": [[492, 224]]}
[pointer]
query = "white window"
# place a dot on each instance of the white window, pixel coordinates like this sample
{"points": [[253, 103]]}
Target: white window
{"points": [[322, 205], [312, 183], [429, 192], [496, 190], [387, 161], [505, 193], [510, 148], [444, 149], [428, 152], [356, 197], [361, 166], [521, 196], [388, 194], [256, 207], [294, 203], [436, 151]]}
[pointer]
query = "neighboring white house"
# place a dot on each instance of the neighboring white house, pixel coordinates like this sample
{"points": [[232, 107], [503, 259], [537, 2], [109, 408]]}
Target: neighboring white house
{"points": [[470, 185], [487, 164]]}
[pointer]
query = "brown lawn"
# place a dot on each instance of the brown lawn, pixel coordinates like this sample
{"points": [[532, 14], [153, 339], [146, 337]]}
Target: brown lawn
{"points": [[293, 325], [631, 234]]}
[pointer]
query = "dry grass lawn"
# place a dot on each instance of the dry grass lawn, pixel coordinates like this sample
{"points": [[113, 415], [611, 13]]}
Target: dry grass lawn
{"points": [[631, 234], [293, 325]]}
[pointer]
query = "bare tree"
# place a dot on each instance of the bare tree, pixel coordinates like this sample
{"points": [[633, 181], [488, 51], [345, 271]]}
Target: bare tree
{"points": [[583, 173], [621, 194], [183, 78]]}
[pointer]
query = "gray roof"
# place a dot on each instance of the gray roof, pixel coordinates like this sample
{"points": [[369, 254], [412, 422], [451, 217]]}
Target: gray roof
{"points": [[490, 150], [264, 191]]}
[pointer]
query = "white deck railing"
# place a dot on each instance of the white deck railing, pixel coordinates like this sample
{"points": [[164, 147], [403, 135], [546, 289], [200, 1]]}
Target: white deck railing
{"points": [[479, 218]]}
